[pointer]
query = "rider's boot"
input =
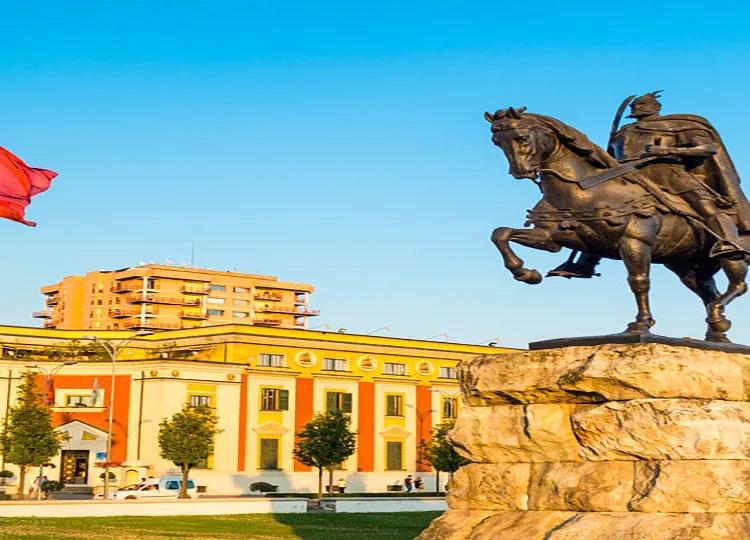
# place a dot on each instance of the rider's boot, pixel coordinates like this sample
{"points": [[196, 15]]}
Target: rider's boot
{"points": [[730, 247], [582, 268]]}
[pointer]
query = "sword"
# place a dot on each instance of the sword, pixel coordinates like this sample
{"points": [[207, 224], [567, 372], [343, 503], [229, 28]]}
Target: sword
{"points": [[615, 172], [616, 124]]}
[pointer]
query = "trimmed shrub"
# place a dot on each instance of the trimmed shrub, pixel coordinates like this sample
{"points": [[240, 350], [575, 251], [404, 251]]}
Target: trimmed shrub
{"points": [[263, 487]]}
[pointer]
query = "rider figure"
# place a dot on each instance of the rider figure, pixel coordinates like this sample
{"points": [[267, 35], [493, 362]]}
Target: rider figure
{"points": [[692, 163]]}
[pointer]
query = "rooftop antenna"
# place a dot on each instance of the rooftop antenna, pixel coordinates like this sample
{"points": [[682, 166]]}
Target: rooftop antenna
{"points": [[385, 328]]}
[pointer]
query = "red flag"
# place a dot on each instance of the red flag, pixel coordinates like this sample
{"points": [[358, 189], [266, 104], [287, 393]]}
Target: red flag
{"points": [[18, 183]]}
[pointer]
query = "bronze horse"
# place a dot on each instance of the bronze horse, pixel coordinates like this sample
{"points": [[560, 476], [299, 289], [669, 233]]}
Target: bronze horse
{"points": [[627, 218]]}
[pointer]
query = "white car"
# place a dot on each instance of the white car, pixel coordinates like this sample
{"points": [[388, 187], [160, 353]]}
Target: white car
{"points": [[157, 488]]}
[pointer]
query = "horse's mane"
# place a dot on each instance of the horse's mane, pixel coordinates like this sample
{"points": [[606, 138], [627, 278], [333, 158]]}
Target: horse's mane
{"points": [[576, 141]]}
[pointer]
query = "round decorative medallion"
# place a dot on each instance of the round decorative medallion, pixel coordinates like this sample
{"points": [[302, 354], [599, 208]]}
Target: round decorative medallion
{"points": [[425, 368], [154, 373], [367, 363], [175, 373], [230, 377], [305, 359]]}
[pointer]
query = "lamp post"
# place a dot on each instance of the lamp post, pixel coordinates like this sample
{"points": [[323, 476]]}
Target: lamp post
{"points": [[49, 400], [421, 416], [112, 349]]}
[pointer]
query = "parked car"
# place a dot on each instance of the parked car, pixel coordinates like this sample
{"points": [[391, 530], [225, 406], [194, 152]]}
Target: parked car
{"points": [[165, 487]]}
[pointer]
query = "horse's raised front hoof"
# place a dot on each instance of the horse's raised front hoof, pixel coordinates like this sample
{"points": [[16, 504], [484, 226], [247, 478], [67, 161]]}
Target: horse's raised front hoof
{"points": [[532, 277], [717, 337]]}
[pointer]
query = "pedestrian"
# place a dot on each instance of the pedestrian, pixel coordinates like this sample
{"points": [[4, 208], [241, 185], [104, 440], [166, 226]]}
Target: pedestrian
{"points": [[408, 483], [43, 480], [341, 485], [418, 484]]}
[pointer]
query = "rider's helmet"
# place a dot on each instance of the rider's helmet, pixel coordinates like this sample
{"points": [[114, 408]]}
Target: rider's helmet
{"points": [[645, 105]]}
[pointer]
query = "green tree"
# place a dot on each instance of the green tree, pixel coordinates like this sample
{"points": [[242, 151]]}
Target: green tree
{"points": [[440, 453], [30, 440], [188, 438], [325, 442]]}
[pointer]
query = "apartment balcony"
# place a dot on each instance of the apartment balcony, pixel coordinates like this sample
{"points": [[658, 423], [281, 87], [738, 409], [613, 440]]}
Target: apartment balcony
{"points": [[194, 315], [50, 324], [291, 310], [151, 325], [123, 313], [194, 289], [53, 299], [42, 314], [127, 286], [263, 321], [160, 299], [273, 297]]}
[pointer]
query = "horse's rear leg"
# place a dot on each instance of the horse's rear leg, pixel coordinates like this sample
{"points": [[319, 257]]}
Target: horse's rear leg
{"points": [[635, 250], [534, 238], [718, 324]]}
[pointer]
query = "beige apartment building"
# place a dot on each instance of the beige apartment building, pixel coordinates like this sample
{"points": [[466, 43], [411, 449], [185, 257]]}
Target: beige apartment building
{"points": [[161, 297]]}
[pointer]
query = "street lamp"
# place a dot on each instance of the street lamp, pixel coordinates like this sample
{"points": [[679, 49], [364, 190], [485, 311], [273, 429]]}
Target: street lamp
{"points": [[112, 350], [49, 400], [48, 374]]}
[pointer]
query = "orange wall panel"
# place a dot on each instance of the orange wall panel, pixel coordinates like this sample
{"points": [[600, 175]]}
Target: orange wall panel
{"points": [[424, 420], [242, 431], [99, 419], [303, 412], [366, 428]]}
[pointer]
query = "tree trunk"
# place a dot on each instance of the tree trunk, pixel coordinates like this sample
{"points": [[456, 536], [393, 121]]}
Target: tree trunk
{"points": [[21, 482], [437, 482], [320, 483], [183, 485], [330, 481]]}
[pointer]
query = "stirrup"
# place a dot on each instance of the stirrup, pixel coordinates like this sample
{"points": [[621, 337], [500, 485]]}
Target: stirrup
{"points": [[573, 270]]}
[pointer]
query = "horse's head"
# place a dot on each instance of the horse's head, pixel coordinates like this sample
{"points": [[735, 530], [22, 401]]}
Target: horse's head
{"points": [[525, 141]]}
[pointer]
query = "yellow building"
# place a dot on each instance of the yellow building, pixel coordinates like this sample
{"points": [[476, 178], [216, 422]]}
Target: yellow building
{"points": [[263, 383], [158, 297]]}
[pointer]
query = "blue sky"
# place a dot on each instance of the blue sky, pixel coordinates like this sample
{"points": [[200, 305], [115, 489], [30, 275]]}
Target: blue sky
{"points": [[342, 144]]}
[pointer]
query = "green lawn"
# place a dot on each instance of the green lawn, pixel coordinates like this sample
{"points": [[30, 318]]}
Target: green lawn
{"points": [[398, 526]]}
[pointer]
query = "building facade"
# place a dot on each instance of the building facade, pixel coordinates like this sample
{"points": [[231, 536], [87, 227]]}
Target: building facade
{"points": [[159, 297], [263, 383]]}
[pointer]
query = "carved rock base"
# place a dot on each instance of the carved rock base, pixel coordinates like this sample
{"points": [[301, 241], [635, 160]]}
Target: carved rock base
{"points": [[608, 442]]}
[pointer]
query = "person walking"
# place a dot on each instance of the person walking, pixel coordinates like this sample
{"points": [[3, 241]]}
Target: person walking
{"points": [[408, 483], [418, 484]]}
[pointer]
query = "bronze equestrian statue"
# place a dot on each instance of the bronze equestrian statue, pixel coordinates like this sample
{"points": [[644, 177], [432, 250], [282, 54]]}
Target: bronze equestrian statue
{"points": [[667, 194]]}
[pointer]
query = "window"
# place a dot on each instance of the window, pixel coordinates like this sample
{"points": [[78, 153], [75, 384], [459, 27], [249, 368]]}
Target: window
{"points": [[199, 401], [271, 360], [215, 312], [241, 290], [394, 455], [390, 368], [175, 484], [274, 399], [240, 314], [450, 407], [215, 301], [269, 453], [339, 401], [217, 288], [85, 400], [448, 373], [394, 405], [238, 302], [334, 364]]}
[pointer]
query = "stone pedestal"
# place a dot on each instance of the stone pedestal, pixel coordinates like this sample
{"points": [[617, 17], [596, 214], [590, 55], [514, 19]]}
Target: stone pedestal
{"points": [[608, 442]]}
